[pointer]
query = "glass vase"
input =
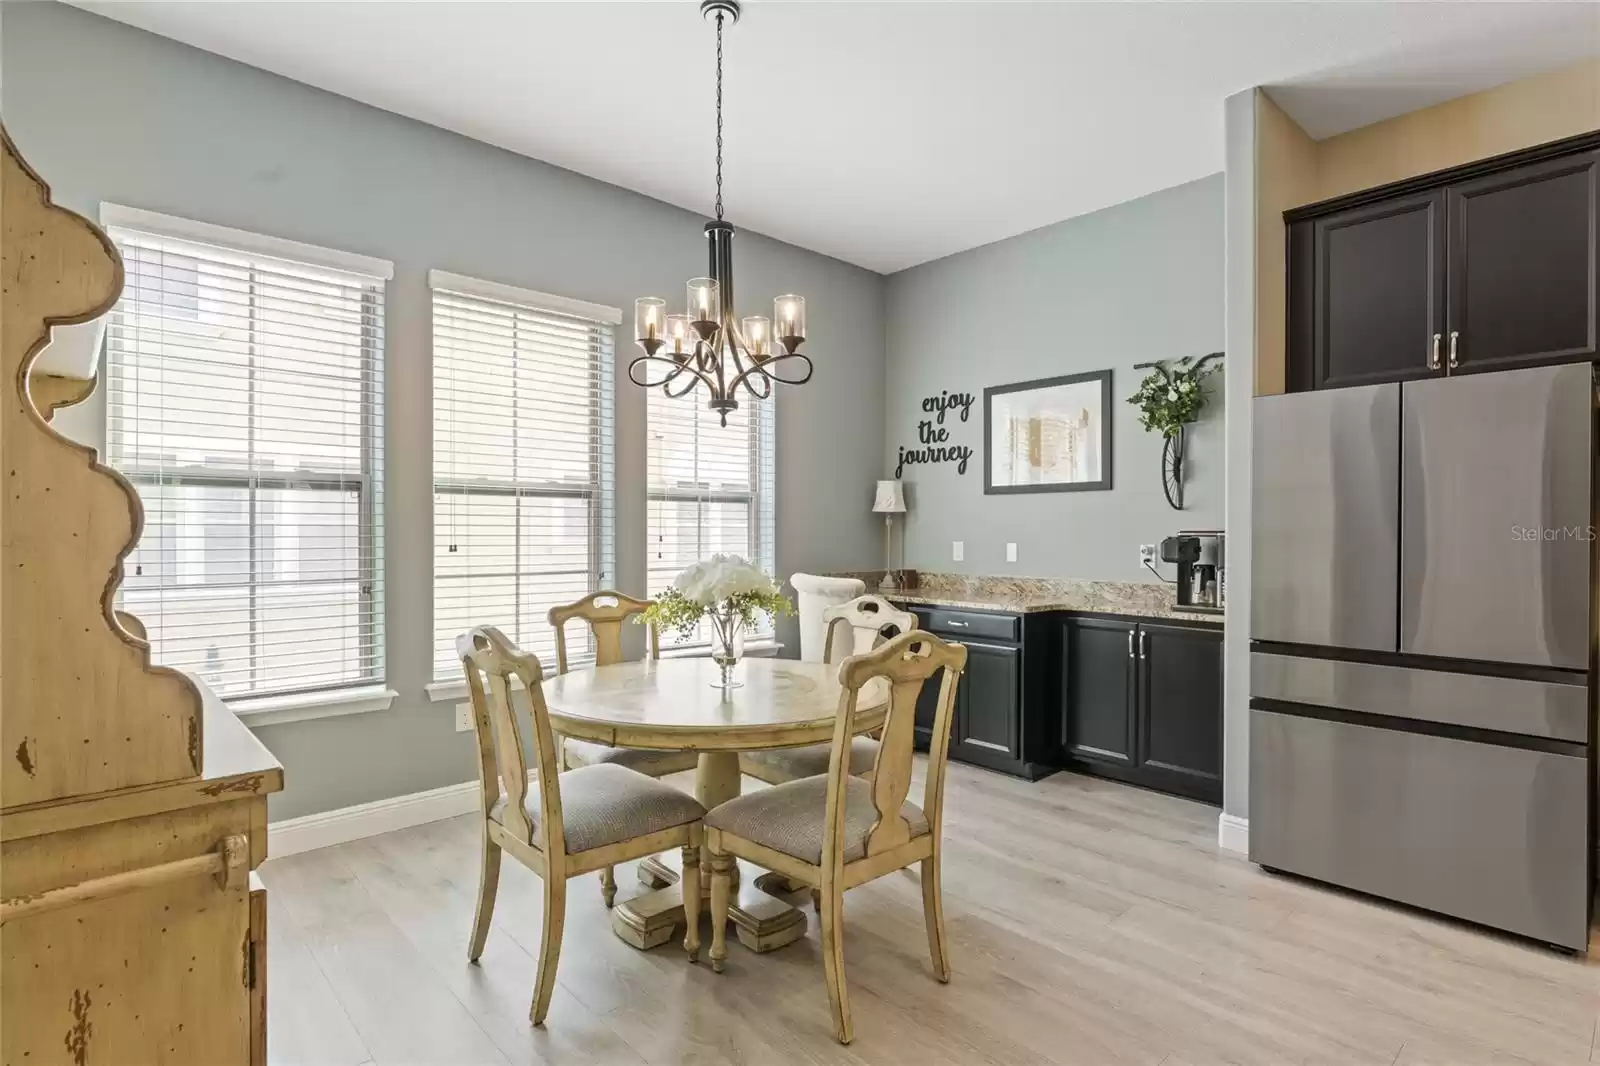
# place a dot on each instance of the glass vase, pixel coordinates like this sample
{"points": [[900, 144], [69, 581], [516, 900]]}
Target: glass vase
{"points": [[727, 645]]}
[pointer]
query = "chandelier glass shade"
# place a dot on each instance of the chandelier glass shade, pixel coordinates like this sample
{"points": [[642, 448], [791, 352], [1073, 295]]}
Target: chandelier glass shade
{"points": [[709, 344]]}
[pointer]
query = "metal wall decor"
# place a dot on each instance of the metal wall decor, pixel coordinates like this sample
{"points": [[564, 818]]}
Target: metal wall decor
{"points": [[709, 344], [1174, 448]]}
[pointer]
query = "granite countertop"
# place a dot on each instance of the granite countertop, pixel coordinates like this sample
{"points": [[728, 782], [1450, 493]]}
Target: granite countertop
{"points": [[1027, 595]]}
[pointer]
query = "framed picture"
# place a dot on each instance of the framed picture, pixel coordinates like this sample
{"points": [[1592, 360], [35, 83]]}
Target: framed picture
{"points": [[1051, 435]]}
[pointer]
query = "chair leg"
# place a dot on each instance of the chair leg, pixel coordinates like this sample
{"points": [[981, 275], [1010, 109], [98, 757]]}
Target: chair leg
{"points": [[721, 878], [555, 918], [933, 916], [608, 886], [690, 886], [833, 961], [488, 885]]}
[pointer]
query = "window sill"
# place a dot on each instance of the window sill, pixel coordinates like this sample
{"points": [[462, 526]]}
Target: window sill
{"points": [[455, 691], [306, 706]]}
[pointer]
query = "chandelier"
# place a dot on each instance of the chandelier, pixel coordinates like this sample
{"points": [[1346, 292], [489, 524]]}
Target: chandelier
{"points": [[708, 344]]}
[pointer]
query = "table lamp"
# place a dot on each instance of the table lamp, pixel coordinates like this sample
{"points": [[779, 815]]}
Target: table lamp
{"points": [[891, 500]]}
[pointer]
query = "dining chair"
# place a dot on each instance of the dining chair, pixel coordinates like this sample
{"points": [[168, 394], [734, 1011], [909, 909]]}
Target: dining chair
{"points": [[814, 593], [870, 620], [569, 823], [605, 613], [836, 831]]}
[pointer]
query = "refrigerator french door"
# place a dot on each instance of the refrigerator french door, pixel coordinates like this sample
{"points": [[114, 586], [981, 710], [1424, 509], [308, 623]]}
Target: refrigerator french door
{"points": [[1421, 643]]}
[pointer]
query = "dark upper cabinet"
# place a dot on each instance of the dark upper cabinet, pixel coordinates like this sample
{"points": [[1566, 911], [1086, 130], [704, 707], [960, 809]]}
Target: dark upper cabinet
{"points": [[1379, 294], [1179, 726], [1098, 658], [1522, 253], [1486, 267], [988, 718]]}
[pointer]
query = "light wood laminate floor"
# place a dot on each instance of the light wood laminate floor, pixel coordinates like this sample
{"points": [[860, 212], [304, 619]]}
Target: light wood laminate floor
{"points": [[1089, 923]]}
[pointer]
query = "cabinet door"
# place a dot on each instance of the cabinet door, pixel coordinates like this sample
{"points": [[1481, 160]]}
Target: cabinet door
{"points": [[1180, 705], [1097, 719], [1523, 265], [988, 704], [1378, 295]]}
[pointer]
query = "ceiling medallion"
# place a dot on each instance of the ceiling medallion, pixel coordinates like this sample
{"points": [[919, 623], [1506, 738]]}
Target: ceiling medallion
{"points": [[709, 344]]}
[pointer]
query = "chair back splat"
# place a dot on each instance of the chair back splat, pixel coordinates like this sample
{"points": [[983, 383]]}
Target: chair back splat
{"points": [[870, 620], [901, 666], [490, 662], [606, 612]]}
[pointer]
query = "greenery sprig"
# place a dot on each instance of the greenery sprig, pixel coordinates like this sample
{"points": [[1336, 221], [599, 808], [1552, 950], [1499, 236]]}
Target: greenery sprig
{"points": [[1172, 395], [673, 610]]}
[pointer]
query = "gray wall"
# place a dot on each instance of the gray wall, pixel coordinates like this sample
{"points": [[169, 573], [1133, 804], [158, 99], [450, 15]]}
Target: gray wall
{"points": [[107, 112], [1139, 281]]}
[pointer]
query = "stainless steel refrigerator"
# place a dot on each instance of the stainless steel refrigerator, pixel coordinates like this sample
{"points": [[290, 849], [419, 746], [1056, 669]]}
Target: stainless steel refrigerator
{"points": [[1422, 650]]}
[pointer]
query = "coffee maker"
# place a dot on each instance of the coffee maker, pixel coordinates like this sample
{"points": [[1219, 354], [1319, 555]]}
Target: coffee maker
{"points": [[1202, 569]]}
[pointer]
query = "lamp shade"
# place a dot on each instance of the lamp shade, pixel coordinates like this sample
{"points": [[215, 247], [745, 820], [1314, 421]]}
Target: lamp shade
{"points": [[891, 498]]}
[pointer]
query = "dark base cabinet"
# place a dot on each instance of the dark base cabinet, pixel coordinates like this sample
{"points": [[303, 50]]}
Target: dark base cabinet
{"points": [[1138, 701], [1142, 702], [1002, 708]]}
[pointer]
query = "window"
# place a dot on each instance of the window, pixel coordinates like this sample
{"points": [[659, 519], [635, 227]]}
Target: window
{"points": [[523, 475], [244, 403], [710, 489]]}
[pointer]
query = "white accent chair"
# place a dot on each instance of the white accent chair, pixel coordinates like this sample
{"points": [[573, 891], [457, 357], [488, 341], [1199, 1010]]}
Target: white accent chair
{"points": [[813, 595], [871, 620]]}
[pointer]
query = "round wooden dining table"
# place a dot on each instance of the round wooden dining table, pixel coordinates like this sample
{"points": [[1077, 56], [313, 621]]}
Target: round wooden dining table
{"points": [[675, 705]]}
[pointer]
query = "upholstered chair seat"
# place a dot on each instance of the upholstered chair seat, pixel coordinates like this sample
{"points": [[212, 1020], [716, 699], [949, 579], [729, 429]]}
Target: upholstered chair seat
{"points": [[581, 753], [781, 765], [791, 818], [606, 804]]}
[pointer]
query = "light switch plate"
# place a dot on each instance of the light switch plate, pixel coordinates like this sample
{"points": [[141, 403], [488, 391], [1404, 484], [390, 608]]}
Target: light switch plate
{"points": [[1011, 552], [958, 550], [463, 717]]}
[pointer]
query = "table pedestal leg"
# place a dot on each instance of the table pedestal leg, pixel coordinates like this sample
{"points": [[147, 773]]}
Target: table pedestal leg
{"points": [[762, 922]]}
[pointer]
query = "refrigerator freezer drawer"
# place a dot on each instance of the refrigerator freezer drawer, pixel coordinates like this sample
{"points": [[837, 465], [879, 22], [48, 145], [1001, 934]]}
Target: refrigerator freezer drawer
{"points": [[1488, 833], [1532, 708], [1326, 492]]}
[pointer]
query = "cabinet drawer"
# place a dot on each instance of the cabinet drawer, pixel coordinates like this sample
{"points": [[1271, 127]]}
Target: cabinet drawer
{"points": [[953, 623]]}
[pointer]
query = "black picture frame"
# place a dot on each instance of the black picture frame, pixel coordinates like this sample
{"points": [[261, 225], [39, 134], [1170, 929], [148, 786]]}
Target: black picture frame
{"points": [[1104, 482]]}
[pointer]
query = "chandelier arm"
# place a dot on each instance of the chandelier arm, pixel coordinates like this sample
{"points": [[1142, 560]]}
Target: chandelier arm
{"points": [[764, 369], [690, 380], [639, 361]]}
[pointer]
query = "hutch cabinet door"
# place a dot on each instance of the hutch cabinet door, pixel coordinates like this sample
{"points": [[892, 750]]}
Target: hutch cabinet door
{"points": [[989, 701], [1523, 276], [1379, 291], [1098, 689], [1180, 706]]}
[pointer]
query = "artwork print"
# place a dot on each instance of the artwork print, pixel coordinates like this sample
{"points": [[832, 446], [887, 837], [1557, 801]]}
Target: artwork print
{"points": [[1052, 435]]}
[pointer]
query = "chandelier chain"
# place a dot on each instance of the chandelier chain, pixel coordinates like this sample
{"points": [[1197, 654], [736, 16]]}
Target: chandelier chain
{"points": [[719, 116]]}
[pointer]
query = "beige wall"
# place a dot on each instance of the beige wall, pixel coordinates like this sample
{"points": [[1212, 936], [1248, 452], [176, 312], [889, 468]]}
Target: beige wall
{"points": [[1292, 170]]}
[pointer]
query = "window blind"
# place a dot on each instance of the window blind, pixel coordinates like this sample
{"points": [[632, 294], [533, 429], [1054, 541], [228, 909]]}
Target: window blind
{"points": [[710, 490], [523, 469], [244, 403]]}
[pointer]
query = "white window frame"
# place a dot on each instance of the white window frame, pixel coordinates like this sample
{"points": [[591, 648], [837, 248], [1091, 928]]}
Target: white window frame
{"points": [[602, 497], [318, 701]]}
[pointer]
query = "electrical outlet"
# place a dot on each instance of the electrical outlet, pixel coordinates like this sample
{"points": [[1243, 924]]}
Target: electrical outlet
{"points": [[1147, 554], [958, 550], [463, 717], [1011, 553]]}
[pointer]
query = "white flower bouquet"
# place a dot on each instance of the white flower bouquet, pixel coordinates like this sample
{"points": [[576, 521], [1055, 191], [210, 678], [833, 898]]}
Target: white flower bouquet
{"points": [[726, 590]]}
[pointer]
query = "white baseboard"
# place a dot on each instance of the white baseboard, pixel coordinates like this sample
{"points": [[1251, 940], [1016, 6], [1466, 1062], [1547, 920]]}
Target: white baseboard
{"points": [[327, 828], [1233, 833]]}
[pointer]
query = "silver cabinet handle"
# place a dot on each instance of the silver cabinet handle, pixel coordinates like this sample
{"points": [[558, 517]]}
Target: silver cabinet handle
{"points": [[1130, 644], [1144, 643], [1433, 356], [1455, 344], [955, 624]]}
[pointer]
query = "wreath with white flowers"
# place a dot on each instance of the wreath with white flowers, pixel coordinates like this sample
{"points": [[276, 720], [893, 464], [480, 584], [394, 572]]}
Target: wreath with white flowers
{"points": [[1172, 395]]}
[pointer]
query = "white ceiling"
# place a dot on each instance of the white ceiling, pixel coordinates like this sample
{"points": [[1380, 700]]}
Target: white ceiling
{"points": [[886, 134]]}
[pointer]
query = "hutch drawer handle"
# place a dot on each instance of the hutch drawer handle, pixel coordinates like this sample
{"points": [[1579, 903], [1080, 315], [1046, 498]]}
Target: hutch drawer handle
{"points": [[1433, 356], [1455, 343], [952, 622], [229, 864]]}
